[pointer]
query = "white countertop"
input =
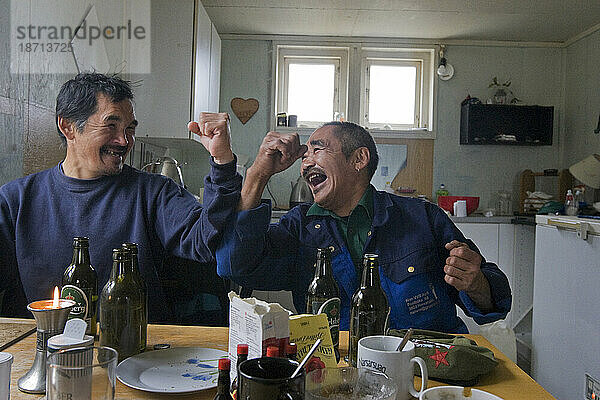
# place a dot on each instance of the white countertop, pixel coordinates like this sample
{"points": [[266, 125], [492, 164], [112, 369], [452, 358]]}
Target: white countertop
{"points": [[480, 219], [472, 219]]}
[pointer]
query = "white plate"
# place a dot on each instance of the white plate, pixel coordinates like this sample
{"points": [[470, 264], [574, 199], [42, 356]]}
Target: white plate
{"points": [[175, 370]]}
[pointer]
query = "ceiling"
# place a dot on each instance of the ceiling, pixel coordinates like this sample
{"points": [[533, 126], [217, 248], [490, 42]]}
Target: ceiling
{"points": [[503, 20]]}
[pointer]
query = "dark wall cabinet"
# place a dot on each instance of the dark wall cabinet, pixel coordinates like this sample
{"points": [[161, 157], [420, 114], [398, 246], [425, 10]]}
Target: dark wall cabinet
{"points": [[506, 124]]}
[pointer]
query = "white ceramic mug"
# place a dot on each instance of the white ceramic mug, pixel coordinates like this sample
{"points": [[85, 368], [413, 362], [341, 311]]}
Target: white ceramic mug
{"points": [[460, 208], [378, 353]]}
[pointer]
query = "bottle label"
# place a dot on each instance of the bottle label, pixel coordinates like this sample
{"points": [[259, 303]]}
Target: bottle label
{"points": [[80, 310], [331, 308]]}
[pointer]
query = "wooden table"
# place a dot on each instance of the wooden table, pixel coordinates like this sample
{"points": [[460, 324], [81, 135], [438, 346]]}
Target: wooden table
{"points": [[507, 380]]}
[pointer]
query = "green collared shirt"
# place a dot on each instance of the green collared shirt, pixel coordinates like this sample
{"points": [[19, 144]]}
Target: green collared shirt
{"points": [[355, 228]]}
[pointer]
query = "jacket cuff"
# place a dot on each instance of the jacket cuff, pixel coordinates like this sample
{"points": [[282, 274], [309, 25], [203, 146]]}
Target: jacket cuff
{"points": [[221, 173], [501, 299]]}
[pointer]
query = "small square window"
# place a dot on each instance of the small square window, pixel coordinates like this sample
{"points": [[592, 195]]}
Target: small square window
{"points": [[392, 95], [311, 91], [312, 83]]}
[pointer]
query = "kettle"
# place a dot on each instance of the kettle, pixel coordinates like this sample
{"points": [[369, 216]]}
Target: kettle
{"points": [[167, 166], [300, 193]]}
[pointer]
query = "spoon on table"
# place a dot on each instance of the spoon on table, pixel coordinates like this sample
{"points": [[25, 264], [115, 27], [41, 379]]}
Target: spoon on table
{"points": [[306, 358], [405, 340]]}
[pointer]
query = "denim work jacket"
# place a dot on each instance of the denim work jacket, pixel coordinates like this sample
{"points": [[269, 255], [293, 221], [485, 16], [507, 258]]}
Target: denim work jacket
{"points": [[408, 235]]}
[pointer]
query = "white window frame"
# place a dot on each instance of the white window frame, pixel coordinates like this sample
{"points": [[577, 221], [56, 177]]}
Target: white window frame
{"points": [[338, 56], [364, 104], [354, 56], [423, 61]]}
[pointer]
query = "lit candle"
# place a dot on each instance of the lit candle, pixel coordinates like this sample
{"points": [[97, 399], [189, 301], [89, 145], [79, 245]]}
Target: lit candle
{"points": [[56, 297], [55, 304]]}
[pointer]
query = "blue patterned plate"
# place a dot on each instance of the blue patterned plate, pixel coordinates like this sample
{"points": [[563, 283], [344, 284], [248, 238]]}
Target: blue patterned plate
{"points": [[174, 370]]}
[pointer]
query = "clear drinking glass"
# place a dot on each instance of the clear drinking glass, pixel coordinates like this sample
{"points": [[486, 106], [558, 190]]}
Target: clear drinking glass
{"points": [[349, 383], [82, 373]]}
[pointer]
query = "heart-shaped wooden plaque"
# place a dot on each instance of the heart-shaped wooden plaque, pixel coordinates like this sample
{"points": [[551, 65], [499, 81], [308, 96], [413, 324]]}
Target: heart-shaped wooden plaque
{"points": [[244, 109]]}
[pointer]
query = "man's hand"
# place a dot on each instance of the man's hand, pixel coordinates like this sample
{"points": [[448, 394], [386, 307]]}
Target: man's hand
{"points": [[215, 135], [277, 153], [463, 271]]}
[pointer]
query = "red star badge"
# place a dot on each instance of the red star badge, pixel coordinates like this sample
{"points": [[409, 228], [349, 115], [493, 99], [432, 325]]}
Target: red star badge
{"points": [[439, 357]]}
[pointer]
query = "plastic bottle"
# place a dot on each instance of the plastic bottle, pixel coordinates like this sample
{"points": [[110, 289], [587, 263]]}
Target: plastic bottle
{"points": [[442, 191], [272, 351], [291, 351], [579, 200], [570, 205]]}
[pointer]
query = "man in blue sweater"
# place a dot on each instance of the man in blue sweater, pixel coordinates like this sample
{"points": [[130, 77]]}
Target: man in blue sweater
{"points": [[94, 193], [427, 266]]}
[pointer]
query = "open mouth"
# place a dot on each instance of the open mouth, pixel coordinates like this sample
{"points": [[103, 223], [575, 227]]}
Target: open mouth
{"points": [[117, 152], [315, 177]]}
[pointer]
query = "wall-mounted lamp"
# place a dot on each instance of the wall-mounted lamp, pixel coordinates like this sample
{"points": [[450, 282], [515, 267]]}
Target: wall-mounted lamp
{"points": [[445, 70]]}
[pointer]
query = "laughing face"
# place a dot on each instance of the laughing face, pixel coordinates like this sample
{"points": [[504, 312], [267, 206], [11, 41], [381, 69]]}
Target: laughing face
{"points": [[331, 176], [101, 147]]}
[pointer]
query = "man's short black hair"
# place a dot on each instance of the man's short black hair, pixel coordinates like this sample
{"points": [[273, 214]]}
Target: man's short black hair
{"points": [[353, 136], [77, 99]]}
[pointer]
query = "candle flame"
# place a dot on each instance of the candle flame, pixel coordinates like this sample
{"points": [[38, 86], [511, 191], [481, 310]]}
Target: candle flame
{"points": [[55, 300]]}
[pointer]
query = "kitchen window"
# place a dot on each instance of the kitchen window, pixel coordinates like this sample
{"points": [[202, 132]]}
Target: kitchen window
{"points": [[312, 83], [387, 90]]}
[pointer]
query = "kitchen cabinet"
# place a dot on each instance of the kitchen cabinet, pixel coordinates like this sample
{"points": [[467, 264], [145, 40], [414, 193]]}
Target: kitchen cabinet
{"points": [[185, 74], [565, 336], [506, 124], [511, 247], [215, 72]]}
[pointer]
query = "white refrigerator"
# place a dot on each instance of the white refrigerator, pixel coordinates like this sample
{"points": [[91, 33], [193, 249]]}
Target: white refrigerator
{"points": [[566, 306]]}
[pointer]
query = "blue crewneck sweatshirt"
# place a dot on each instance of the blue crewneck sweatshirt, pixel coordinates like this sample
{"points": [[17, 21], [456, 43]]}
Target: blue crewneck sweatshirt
{"points": [[41, 213]]}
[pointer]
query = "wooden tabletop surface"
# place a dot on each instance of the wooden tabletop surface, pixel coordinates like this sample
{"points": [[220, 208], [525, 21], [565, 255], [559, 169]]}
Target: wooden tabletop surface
{"points": [[507, 380]]}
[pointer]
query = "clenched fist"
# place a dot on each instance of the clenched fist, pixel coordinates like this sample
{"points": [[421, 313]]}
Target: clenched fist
{"points": [[277, 152], [215, 135], [463, 271]]}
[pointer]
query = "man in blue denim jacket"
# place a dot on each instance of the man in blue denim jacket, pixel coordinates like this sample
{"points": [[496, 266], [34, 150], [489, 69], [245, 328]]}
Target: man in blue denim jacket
{"points": [[426, 264]]}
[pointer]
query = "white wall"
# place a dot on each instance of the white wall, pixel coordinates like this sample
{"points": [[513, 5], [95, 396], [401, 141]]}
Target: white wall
{"points": [[481, 170], [246, 73], [536, 74]]}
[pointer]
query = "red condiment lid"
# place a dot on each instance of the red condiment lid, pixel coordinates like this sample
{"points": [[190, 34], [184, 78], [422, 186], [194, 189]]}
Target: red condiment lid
{"points": [[272, 351], [242, 349], [224, 364], [291, 348]]}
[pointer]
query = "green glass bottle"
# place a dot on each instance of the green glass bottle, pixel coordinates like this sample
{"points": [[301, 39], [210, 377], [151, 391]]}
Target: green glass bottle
{"points": [[80, 284], [135, 270], [370, 308], [324, 296], [122, 308]]}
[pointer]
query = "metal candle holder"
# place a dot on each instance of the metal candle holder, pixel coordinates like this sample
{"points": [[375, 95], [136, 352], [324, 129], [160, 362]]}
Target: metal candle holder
{"points": [[50, 321]]}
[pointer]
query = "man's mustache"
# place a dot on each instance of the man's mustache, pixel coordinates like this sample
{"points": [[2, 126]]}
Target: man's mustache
{"points": [[310, 170], [116, 149]]}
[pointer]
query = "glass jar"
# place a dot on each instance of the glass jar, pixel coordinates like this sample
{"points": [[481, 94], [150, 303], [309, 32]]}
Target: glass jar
{"points": [[504, 203]]}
